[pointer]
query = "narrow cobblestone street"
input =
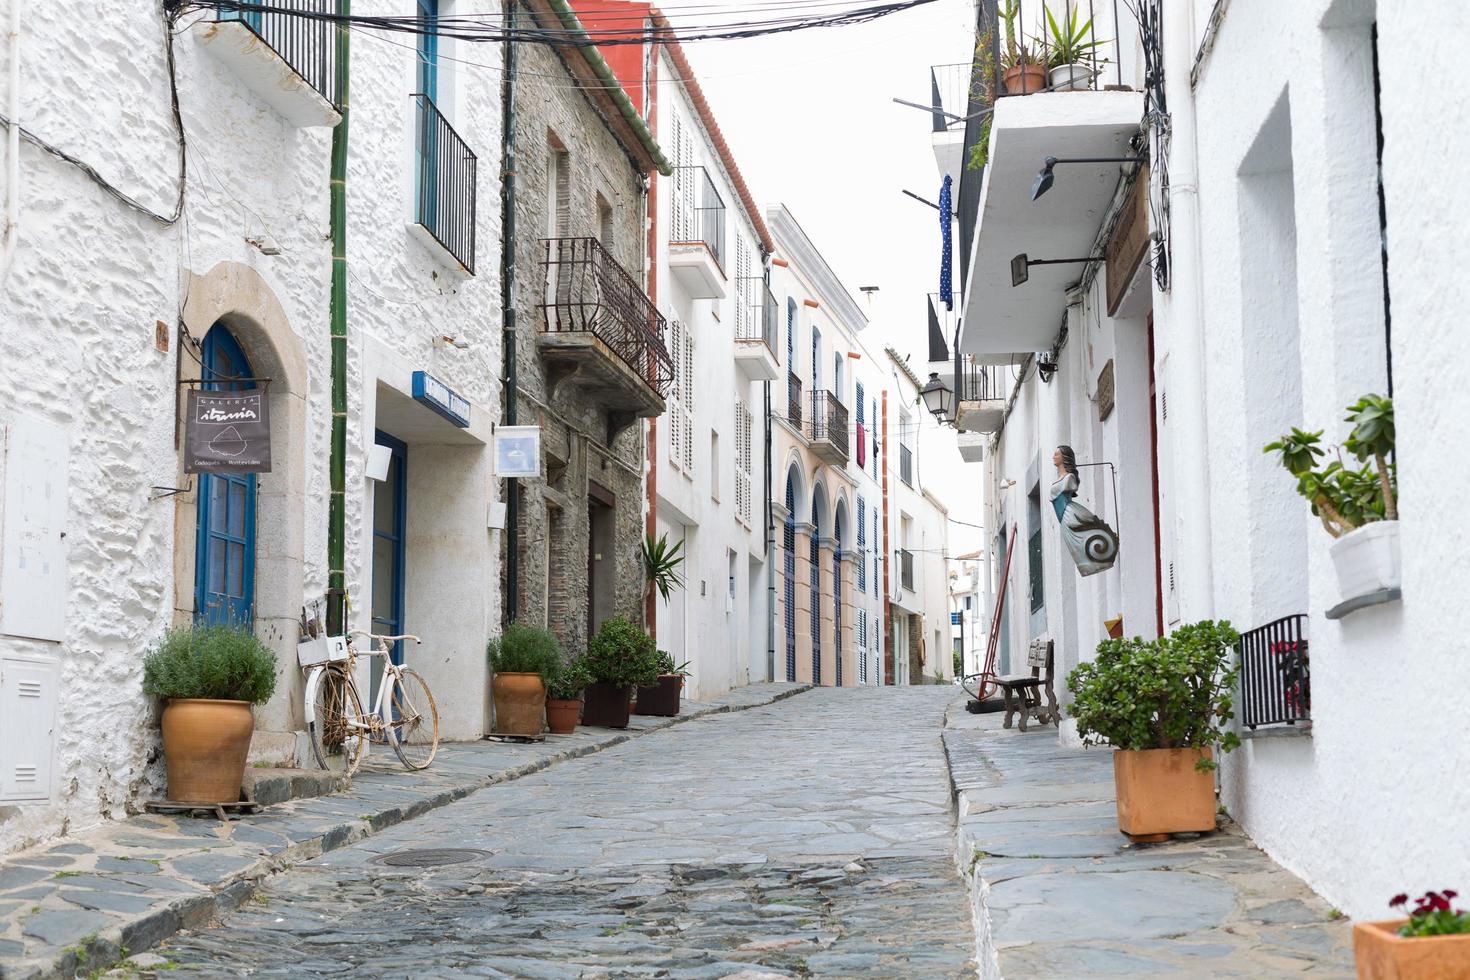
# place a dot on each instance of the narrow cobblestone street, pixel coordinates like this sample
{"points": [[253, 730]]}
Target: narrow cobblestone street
{"points": [[812, 836]]}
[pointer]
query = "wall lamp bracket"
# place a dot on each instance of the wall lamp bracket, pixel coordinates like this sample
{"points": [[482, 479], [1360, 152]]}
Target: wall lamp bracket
{"points": [[1021, 266], [1044, 179]]}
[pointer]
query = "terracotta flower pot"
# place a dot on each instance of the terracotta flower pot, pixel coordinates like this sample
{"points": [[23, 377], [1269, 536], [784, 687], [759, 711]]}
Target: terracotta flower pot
{"points": [[520, 704], [1024, 79], [607, 705], [562, 715], [1161, 793], [204, 748], [1382, 954], [662, 698]]}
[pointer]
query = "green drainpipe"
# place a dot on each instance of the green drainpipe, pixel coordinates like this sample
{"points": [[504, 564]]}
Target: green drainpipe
{"points": [[337, 508]]}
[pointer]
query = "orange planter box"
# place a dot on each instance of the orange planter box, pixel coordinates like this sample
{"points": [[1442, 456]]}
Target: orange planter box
{"points": [[1159, 791], [1382, 954]]}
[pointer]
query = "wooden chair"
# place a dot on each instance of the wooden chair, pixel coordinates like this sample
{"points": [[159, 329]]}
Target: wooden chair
{"points": [[1023, 692]]}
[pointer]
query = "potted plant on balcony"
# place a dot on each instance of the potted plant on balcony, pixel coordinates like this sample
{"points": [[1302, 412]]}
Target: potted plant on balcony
{"points": [[662, 698], [523, 660], [1023, 69], [1433, 943], [1161, 704], [1357, 506], [619, 657], [564, 697], [210, 676], [1071, 46]]}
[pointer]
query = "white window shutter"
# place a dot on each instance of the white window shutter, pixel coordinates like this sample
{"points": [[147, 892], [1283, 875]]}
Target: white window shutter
{"points": [[27, 728]]}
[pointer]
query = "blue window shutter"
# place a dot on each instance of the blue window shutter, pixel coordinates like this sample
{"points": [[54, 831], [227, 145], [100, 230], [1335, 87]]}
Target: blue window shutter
{"points": [[859, 403]]}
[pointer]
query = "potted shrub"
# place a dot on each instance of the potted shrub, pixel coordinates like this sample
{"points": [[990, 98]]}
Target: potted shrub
{"points": [[1358, 506], [1071, 46], [522, 660], [1023, 70], [619, 657], [564, 697], [1161, 704], [210, 676], [662, 698], [1433, 943]]}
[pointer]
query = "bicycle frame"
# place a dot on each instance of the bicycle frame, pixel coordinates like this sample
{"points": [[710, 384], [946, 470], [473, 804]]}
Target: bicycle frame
{"points": [[375, 721]]}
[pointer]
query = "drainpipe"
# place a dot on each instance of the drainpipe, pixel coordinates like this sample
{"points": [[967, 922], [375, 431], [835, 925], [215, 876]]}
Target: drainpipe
{"points": [[508, 298], [336, 510], [12, 150]]}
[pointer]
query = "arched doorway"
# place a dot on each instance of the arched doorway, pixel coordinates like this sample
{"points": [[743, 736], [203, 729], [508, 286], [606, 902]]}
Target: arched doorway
{"points": [[816, 592], [837, 593], [224, 565], [789, 578]]}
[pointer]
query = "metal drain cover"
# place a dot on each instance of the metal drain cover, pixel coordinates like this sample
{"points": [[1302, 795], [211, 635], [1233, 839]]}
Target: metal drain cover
{"points": [[431, 858]]}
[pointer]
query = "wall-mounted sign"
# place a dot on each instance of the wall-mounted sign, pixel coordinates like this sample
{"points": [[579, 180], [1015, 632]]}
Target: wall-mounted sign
{"points": [[443, 399], [1106, 392], [518, 450], [954, 619], [1129, 244], [227, 432]]}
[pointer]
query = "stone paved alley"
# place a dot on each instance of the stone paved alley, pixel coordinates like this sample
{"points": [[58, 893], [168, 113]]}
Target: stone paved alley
{"points": [[816, 835]]}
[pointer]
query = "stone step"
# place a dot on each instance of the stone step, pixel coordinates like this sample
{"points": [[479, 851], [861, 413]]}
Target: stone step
{"points": [[267, 785]]}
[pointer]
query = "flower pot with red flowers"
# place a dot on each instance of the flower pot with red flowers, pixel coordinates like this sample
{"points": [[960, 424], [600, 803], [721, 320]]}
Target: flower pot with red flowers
{"points": [[1162, 705], [620, 657], [663, 698], [1433, 943], [564, 697]]}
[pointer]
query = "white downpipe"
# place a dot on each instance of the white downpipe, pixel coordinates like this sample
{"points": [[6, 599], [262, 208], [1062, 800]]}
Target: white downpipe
{"points": [[12, 150]]}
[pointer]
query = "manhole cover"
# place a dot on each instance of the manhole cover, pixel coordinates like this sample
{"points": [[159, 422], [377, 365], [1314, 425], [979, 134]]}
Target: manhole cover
{"points": [[431, 858]]}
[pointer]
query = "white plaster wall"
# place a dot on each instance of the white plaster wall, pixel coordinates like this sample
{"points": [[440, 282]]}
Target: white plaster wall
{"points": [[868, 482], [77, 321]]}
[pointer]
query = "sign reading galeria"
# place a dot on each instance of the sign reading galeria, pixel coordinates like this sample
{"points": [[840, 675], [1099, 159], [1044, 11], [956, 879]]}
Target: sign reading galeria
{"points": [[227, 432]]}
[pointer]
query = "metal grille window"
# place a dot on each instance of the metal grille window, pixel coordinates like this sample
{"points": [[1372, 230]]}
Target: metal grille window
{"points": [[1275, 674], [862, 644], [744, 459], [862, 544], [445, 200]]}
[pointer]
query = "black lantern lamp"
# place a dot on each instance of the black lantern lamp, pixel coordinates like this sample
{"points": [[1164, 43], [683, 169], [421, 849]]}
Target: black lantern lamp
{"points": [[938, 399], [1046, 365], [1045, 178]]}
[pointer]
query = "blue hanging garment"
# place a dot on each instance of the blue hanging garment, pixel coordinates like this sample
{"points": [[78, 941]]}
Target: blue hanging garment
{"points": [[946, 258]]}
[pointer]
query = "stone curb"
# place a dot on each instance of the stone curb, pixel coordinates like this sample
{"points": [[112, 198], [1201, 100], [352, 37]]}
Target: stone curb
{"points": [[987, 963], [141, 932]]}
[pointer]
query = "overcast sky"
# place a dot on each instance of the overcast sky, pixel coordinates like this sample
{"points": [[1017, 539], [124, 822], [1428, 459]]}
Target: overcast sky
{"points": [[810, 118]]}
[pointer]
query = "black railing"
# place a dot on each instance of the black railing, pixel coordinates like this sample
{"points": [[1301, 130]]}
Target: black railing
{"points": [[445, 174], [699, 212], [906, 569], [1275, 674], [793, 399], [587, 291], [906, 464], [306, 44], [975, 382], [829, 421], [1026, 52], [757, 317]]}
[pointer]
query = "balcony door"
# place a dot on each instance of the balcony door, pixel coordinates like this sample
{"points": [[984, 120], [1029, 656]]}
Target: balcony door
{"points": [[224, 555], [427, 145]]}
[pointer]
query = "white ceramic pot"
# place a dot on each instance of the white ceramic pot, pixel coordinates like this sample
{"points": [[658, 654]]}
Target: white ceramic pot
{"points": [[1070, 78], [1367, 560]]}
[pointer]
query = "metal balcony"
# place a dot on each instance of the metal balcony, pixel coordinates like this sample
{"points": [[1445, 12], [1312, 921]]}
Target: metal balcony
{"points": [[827, 429], [981, 391], [1275, 674], [757, 319], [444, 173], [697, 234], [287, 59], [602, 327]]}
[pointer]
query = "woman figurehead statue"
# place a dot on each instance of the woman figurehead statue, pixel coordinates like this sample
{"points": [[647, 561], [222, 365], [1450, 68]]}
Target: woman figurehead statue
{"points": [[1092, 544], [1065, 460]]}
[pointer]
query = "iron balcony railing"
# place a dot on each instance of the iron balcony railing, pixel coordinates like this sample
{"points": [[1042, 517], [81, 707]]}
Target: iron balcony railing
{"points": [[757, 316], [445, 177], [587, 291], [793, 399], [950, 88], [829, 421], [1275, 674], [906, 464], [976, 382], [308, 45], [1024, 50], [906, 569], [699, 212]]}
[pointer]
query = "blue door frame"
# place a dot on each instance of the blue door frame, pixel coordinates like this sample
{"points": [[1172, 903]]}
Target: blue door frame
{"points": [[224, 548], [389, 524]]}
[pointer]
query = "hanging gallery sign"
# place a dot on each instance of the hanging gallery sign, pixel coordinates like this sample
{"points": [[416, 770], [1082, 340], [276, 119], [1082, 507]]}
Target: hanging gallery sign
{"points": [[227, 432], [517, 450]]}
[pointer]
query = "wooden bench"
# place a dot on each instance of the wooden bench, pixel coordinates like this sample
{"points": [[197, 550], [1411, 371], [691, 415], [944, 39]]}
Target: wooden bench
{"points": [[1023, 692]]}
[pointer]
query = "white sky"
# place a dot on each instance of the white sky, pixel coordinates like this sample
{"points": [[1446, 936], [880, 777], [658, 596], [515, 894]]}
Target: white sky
{"points": [[810, 119]]}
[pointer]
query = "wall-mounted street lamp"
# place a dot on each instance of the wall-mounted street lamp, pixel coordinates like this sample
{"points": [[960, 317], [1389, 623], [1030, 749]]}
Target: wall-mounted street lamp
{"points": [[1044, 179], [1021, 266], [1046, 366], [938, 399]]}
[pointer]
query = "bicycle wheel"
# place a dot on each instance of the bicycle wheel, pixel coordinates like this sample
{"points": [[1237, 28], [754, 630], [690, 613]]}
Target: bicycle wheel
{"points": [[335, 742], [413, 724]]}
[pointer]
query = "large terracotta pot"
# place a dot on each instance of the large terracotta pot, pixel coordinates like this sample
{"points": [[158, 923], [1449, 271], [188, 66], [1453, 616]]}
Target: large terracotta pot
{"points": [[607, 705], [1024, 79], [562, 715], [1382, 954], [662, 698], [520, 704], [1161, 793], [204, 747]]}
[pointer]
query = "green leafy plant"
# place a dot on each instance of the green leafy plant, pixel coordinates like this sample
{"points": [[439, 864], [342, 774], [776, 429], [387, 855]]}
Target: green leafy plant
{"points": [[1017, 51], [622, 654], [667, 667], [1345, 498], [525, 649], [980, 152], [1071, 44], [1432, 915], [661, 562], [219, 663], [1175, 692], [568, 681]]}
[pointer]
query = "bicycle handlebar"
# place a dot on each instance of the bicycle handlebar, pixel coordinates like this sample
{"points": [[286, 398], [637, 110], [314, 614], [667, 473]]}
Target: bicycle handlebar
{"points": [[384, 637]]}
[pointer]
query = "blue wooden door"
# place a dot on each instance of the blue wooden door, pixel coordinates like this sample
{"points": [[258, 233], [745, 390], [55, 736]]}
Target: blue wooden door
{"points": [[428, 122], [224, 560], [389, 514]]}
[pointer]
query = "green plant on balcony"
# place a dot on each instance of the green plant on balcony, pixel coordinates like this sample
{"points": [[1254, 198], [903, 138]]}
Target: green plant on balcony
{"points": [[1017, 51], [1071, 43], [1343, 497]]}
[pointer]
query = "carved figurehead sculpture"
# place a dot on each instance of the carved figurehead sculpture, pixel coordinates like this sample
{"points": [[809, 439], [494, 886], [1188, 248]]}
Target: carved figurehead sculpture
{"points": [[1092, 544]]}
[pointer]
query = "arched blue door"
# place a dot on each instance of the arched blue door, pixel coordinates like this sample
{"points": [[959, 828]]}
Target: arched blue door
{"points": [[837, 594], [788, 542], [816, 598], [224, 565]]}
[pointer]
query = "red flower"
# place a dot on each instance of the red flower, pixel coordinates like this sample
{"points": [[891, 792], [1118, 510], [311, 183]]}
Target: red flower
{"points": [[1449, 894], [1400, 899]]}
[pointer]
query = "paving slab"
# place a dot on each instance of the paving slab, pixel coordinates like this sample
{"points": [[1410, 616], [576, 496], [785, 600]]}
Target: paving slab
{"points": [[78, 903]]}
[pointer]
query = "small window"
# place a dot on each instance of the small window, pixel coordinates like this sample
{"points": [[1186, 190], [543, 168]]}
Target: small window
{"points": [[605, 223]]}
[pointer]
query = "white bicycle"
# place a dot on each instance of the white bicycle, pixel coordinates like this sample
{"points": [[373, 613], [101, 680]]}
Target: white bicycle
{"points": [[404, 715]]}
